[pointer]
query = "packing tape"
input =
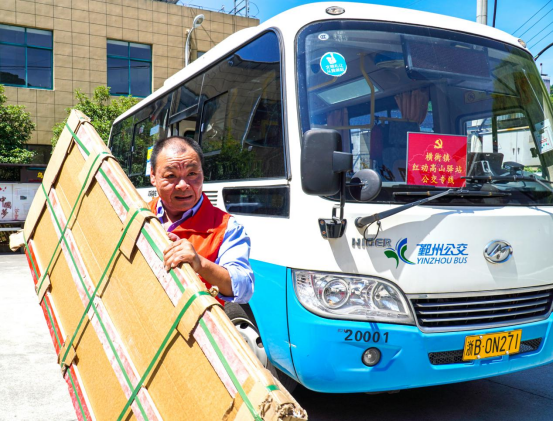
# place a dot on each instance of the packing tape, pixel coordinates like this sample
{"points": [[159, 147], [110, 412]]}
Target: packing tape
{"points": [[196, 310], [17, 240], [42, 286], [129, 243]]}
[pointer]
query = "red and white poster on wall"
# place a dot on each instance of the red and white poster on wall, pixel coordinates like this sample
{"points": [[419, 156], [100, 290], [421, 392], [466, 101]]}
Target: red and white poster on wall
{"points": [[436, 160], [15, 200], [6, 202]]}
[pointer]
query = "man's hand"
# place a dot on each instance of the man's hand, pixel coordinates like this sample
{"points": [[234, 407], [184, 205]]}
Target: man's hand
{"points": [[181, 250]]}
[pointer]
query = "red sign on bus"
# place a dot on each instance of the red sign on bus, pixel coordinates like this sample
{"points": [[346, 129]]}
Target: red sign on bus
{"points": [[436, 160]]}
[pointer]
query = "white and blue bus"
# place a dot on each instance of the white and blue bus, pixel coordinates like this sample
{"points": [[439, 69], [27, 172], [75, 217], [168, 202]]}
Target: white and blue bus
{"points": [[393, 169]]}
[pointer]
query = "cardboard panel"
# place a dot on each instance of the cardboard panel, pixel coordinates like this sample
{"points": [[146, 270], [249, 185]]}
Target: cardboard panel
{"points": [[123, 310]]}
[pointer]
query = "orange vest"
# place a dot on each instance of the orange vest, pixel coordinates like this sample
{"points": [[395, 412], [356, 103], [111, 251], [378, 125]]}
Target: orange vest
{"points": [[205, 230]]}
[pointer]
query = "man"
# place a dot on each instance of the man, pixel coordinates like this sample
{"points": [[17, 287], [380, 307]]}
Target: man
{"points": [[210, 240]]}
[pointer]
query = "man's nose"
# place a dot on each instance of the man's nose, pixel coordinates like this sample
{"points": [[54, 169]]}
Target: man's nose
{"points": [[182, 185]]}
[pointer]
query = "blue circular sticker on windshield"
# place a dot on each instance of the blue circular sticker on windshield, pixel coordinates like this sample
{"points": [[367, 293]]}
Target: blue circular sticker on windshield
{"points": [[333, 64]]}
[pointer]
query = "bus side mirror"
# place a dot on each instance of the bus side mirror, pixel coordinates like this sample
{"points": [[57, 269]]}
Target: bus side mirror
{"points": [[322, 162]]}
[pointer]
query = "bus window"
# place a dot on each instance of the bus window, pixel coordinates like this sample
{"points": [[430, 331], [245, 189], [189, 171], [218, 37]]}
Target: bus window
{"points": [[122, 138], [142, 140], [398, 68], [213, 125], [242, 135], [133, 137], [508, 139], [183, 121]]}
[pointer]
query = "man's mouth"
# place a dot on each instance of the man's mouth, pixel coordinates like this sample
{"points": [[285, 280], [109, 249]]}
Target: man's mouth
{"points": [[182, 197]]}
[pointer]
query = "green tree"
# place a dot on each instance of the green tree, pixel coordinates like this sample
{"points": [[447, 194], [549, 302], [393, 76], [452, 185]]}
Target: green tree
{"points": [[101, 109], [16, 127]]}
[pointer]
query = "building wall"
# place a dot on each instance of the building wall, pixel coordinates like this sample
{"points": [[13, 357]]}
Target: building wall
{"points": [[81, 29]]}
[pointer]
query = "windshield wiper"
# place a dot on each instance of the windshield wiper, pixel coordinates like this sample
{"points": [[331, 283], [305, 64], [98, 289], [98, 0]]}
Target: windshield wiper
{"points": [[460, 192], [512, 178], [370, 219]]}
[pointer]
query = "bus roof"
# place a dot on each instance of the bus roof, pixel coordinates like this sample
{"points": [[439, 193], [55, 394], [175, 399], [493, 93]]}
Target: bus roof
{"points": [[292, 20]]}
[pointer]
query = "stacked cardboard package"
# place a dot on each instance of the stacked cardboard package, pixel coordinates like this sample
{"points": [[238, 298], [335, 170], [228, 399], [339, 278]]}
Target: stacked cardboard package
{"points": [[133, 340]]}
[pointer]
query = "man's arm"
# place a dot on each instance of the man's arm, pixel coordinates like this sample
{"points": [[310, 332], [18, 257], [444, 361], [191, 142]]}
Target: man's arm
{"points": [[234, 255]]}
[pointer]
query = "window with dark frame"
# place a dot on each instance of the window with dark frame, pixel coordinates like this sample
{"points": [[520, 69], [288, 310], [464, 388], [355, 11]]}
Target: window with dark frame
{"points": [[269, 201], [241, 130], [26, 57], [129, 68]]}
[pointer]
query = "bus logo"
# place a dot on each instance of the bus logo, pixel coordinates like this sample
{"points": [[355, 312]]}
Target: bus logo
{"points": [[498, 252], [399, 253], [432, 253]]}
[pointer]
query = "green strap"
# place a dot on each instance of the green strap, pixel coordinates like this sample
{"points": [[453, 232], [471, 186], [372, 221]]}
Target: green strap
{"points": [[107, 179], [77, 139], [77, 395], [159, 351], [272, 387], [230, 372]]}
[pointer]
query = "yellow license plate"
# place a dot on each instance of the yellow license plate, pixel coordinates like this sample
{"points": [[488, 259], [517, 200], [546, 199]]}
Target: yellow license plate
{"points": [[490, 345]]}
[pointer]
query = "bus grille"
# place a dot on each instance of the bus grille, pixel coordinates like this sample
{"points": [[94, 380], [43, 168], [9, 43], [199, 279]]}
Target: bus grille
{"points": [[455, 356], [471, 312], [212, 196]]}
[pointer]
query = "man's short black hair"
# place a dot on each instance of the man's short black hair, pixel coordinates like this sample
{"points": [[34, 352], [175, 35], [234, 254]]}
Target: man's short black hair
{"points": [[181, 143]]}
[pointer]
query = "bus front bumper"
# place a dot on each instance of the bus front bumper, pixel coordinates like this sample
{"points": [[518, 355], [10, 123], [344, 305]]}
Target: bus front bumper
{"points": [[327, 353]]}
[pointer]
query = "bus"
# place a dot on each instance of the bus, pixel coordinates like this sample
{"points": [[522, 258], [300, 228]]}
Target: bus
{"points": [[393, 169]]}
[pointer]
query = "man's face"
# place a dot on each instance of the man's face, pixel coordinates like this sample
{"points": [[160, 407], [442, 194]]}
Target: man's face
{"points": [[178, 179]]}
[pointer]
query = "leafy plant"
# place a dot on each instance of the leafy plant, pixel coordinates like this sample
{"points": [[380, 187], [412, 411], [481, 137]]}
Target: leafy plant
{"points": [[16, 128], [233, 161], [101, 109]]}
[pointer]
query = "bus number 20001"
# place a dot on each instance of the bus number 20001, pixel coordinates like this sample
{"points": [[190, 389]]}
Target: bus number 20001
{"points": [[366, 336]]}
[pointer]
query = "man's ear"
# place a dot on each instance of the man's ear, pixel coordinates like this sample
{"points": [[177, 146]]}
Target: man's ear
{"points": [[152, 177]]}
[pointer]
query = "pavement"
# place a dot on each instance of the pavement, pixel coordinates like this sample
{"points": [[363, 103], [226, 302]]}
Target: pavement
{"points": [[32, 388], [520, 396], [31, 384]]}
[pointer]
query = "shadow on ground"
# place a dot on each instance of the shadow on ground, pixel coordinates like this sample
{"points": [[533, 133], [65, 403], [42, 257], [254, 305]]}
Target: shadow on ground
{"points": [[525, 395]]}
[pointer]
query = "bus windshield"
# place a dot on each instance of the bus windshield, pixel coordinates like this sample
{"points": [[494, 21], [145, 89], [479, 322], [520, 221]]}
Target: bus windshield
{"points": [[394, 92]]}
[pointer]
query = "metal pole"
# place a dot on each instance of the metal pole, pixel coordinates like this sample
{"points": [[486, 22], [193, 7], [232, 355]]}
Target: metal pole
{"points": [[482, 6], [187, 47]]}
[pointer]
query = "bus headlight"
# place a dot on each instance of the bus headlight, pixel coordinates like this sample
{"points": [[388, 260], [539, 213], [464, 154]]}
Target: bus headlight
{"points": [[351, 297]]}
